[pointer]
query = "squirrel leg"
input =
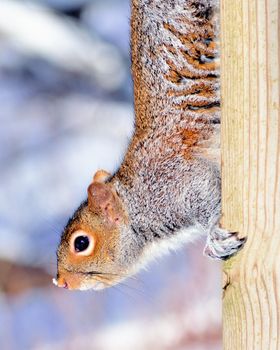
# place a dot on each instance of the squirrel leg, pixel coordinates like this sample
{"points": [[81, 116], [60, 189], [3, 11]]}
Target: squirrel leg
{"points": [[222, 244]]}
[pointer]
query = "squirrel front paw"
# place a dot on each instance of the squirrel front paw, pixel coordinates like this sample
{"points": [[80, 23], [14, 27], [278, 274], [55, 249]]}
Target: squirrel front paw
{"points": [[222, 244]]}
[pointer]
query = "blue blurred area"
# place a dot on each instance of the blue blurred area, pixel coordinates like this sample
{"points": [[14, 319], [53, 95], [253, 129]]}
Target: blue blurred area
{"points": [[66, 111]]}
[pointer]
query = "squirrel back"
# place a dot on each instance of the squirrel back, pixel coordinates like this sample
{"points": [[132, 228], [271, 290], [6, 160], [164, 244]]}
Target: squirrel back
{"points": [[167, 189]]}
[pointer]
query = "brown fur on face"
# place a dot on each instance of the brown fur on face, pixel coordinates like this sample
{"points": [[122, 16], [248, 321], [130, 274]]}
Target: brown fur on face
{"points": [[101, 219]]}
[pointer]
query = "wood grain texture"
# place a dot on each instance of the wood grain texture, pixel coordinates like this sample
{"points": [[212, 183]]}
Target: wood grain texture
{"points": [[251, 171]]}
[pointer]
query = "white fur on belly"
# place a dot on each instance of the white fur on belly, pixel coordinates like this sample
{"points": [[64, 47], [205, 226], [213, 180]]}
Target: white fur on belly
{"points": [[156, 249]]}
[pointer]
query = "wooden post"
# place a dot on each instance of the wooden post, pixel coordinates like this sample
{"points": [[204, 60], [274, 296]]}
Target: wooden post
{"points": [[250, 45]]}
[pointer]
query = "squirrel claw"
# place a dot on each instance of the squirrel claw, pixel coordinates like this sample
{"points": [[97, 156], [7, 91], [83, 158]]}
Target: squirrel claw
{"points": [[222, 244]]}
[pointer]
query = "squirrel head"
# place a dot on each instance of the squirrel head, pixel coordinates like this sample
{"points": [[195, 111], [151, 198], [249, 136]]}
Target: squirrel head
{"points": [[88, 254]]}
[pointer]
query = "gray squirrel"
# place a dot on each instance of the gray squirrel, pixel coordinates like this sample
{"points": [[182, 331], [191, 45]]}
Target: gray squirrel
{"points": [[167, 190]]}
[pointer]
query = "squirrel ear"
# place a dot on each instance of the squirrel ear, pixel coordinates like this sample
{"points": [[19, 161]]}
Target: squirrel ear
{"points": [[101, 176], [103, 201]]}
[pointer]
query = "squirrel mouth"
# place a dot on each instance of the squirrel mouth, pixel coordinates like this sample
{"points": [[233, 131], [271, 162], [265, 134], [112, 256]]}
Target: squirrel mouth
{"points": [[55, 282], [98, 285]]}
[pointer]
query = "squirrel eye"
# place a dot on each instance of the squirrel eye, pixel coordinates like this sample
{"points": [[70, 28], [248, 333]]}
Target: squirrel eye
{"points": [[82, 243]]}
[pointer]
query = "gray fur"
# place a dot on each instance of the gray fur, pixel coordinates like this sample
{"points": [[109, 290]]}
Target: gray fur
{"points": [[162, 191]]}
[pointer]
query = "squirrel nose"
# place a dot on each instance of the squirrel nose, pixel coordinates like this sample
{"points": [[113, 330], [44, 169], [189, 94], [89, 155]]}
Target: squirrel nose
{"points": [[60, 282]]}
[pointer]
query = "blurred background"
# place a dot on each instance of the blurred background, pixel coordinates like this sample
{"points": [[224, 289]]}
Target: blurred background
{"points": [[66, 110]]}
